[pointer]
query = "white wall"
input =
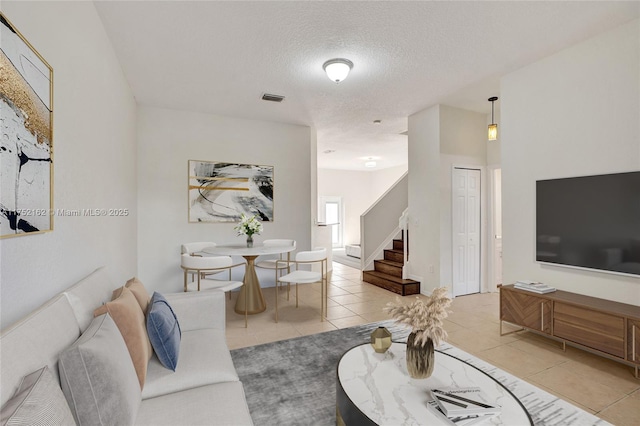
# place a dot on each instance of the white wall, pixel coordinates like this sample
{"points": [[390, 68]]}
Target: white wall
{"points": [[463, 142], [381, 180], [94, 160], [424, 187], [440, 138], [574, 113], [167, 139], [359, 190]]}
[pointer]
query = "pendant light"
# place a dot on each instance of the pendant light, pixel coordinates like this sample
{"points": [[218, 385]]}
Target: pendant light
{"points": [[493, 128]]}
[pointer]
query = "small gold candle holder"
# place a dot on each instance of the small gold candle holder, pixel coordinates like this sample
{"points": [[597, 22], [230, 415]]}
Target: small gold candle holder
{"points": [[381, 340]]}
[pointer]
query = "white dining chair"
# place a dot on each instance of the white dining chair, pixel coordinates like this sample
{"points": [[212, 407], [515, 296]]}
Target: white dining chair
{"points": [[315, 256], [204, 267], [272, 263], [192, 249]]}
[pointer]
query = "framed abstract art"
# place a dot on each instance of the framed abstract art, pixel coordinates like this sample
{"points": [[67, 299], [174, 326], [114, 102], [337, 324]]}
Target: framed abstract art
{"points": [[222, 192], [26, 146]]}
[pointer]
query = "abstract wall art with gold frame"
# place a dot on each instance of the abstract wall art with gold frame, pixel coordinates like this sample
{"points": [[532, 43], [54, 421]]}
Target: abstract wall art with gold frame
{"points": [[221, 192], [26, 142]]}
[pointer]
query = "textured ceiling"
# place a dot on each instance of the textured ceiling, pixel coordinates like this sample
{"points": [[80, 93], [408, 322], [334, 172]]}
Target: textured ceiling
{"points": [[219, 57]]}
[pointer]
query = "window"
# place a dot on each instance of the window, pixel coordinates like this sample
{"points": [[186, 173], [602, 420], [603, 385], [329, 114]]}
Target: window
{"points": [[331, 213]]}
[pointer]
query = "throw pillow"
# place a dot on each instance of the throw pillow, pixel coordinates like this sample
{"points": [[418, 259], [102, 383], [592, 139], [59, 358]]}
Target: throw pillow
{"points": [[129, 318], [164, 331], [141, 293], [38, 400], [98, 378]]}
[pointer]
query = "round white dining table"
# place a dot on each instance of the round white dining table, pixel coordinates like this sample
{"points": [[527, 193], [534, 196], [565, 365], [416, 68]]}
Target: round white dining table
{"points": [[255, 302]]}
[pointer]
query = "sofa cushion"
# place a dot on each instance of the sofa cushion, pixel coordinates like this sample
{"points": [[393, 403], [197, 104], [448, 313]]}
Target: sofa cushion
{"points": [[89, 293], [164, 331], [204, 359], [141, 293], [98, 378], [130, 320], [198, 310], [36, 341], [220, 404], [38, 400]]}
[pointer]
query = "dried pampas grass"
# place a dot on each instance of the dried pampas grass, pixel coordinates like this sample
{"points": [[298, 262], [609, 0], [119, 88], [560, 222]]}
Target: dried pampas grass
{"points": [[424, 317]]}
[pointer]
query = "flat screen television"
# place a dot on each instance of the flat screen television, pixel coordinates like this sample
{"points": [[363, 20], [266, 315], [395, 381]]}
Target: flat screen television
{"points": [[590, 222]]}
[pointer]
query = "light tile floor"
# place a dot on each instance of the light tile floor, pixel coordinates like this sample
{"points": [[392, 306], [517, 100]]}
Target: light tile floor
{"points": [[597, 385]]}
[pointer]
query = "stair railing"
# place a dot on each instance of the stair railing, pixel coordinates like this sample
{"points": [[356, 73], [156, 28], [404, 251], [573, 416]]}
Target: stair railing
{"points": [[403, 224]]}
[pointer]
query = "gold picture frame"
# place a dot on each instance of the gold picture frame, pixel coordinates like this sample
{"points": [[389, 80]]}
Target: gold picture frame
{"points": [[26, 156]]}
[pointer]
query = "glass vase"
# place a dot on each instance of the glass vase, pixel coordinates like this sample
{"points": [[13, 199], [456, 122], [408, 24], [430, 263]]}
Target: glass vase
{"points": [[420, 358]]}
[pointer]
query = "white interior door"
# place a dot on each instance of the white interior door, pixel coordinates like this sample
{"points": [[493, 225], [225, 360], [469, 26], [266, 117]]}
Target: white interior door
{"points": [[466, 231]]}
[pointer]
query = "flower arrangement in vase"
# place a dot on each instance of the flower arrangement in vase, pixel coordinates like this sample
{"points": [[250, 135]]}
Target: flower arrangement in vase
{"points": [[249, 226], [427, 329]]}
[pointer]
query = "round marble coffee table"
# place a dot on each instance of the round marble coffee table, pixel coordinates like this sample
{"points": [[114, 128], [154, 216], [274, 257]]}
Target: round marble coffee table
{"points": [[375, 389]]}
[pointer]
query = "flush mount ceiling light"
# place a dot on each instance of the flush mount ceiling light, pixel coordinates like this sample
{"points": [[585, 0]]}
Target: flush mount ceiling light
{"points": [[493, 128], [370, 163], [337, 69]]}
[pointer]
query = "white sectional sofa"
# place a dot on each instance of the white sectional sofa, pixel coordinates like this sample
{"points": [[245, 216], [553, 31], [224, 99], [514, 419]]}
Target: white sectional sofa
{"points": [[204, 389]]}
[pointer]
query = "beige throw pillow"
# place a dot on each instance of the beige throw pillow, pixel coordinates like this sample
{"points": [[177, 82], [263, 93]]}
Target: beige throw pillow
{"points": [[141, 294], [128, 316]]}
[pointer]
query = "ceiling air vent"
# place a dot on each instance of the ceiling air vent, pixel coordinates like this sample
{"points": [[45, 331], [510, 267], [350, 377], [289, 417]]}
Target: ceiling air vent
{"points": [[272, 98]]}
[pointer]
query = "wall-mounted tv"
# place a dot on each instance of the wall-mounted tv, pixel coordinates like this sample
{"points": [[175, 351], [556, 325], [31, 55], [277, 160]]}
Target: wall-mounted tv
{"points": [[590, 222]]}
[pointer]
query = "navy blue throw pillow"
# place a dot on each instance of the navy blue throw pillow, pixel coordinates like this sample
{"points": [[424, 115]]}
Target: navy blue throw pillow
{"points": [[164, 331]]}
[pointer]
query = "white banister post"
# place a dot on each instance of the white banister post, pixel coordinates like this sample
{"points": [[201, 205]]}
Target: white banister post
{"points": [[404, 225]]}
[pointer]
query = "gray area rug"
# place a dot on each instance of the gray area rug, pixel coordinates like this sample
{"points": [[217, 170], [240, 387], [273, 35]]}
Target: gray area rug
{"points": [[293, 382]]}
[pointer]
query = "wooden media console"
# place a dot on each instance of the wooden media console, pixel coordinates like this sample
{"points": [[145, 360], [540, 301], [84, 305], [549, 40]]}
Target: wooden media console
{"points": [[603, 327]]}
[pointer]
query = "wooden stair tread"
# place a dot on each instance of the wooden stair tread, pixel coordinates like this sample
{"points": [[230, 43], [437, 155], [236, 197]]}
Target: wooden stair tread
{"points": [[395, 251], [387, 273], [389, 262], [390, 277]]}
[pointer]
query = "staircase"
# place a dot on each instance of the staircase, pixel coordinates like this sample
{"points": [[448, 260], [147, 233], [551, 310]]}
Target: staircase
{"points": [[387, 272]]}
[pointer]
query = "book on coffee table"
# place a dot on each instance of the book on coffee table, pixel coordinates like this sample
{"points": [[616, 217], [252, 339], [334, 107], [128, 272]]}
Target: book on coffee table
{"points": [[457, 420], [456, 402]]}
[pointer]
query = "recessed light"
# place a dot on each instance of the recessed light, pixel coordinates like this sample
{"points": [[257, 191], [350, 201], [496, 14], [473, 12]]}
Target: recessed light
{"points": [[370, 162], [377, 121]]}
